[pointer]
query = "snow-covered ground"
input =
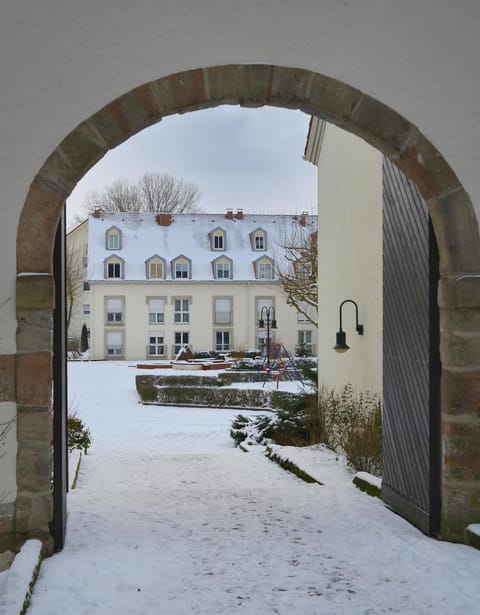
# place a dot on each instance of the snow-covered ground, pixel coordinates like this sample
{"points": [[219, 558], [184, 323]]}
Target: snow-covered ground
{"points": [[169, 518]]}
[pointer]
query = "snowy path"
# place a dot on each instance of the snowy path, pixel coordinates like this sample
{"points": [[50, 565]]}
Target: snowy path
{"points": [[169, 519]]}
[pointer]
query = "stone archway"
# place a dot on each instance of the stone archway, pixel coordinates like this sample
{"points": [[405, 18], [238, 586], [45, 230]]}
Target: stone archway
{"points": [[455, 224]]}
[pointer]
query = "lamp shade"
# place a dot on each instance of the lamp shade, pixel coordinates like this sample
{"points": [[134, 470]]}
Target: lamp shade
{"points": [[341, 345]]}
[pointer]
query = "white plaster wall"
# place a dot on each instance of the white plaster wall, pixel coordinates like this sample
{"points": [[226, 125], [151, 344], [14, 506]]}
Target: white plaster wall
{"points": [[8, 452], [201, 325], [350, 260], [62, 60]]}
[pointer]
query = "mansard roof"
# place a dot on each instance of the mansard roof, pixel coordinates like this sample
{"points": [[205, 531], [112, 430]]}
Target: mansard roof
{"points": [[187, 234]]}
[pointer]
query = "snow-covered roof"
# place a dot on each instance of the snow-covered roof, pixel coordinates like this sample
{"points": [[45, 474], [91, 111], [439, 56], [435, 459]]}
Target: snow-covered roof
{"points": [[189, 235]]}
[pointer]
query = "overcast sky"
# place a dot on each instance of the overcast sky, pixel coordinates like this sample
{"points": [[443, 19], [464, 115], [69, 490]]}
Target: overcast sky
{"points": [[249, 159]]}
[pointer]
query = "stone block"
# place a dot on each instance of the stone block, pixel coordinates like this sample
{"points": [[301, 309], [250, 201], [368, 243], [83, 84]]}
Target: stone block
{"points": [[422, 162], [247, 85], [33, 512], [456, 231], [472, 535], [181, 92], [34, 465], [111, 124], [34, 378], [139, 108], [37, 228], [290, 87], [460, 508], [58, 172], [459, 291], [82, 148], [35, 423], [332, 100], [460, 393], [34, 339], [461, 351], [460, 320], [380, 126], [7, 377], [36, 292]]}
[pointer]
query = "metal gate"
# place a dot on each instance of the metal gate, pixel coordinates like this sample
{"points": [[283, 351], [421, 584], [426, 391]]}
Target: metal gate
{"points": [[60, 469], [411, 364]]}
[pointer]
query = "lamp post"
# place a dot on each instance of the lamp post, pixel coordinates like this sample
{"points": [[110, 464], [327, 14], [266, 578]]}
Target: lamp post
{"points": [[341, 345], [269, 318]]}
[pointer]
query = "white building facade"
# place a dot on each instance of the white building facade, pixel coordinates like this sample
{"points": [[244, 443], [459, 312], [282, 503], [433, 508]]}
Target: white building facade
{"points": [[157, 283], [349, 255]]}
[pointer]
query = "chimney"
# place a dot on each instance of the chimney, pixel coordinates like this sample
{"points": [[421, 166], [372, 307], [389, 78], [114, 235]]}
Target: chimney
{"points": [[303, 220], [163, 219], [97, 213], [229, 214], [239, 214]]}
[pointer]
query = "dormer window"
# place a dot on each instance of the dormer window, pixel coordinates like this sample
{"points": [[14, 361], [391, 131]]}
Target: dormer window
{"points": [[258, 239], [181, 268], [218, 239], [155, 268], [113, 268], [264, 268], [113, 239], [222, 268]]}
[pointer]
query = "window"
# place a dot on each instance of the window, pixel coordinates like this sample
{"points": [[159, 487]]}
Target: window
{"points": [[114, 309], [305, 345], [181, 268], [223, 271], [222, 311], [113, 268], [114, 344], [218, 239], [113, 239], [181, 313], [156, 346], [307, 310], [181, 339], [86, 286], [222, 268], [156, 311], [259, 240], [264, 268], [86, 309], [155, 268], [222, 340], [181, 271], [85, 261]]}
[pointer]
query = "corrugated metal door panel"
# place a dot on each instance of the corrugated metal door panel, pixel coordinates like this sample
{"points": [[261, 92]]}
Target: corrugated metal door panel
{"points": [[409, 296]]}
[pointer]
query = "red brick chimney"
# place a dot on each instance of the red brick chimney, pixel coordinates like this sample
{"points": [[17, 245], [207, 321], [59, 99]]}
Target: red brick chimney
{"points": [[164, 219], [229, 214], [239, 214]]}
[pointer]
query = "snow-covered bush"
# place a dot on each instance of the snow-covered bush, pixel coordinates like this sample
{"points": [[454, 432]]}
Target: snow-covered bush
{"points": [[78, 436]]}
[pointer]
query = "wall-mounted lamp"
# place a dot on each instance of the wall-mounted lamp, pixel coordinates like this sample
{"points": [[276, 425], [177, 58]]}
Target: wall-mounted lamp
{"points": [[341, 345]]}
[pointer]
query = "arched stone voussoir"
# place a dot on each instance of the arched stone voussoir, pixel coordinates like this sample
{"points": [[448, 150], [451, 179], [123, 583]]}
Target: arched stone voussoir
{"points": [[456, 230], [37, 228]]}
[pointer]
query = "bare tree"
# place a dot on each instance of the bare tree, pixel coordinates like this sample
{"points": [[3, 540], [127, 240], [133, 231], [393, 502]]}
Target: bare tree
{"points": [[297, 268], [74, 278], [153, 192]]}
